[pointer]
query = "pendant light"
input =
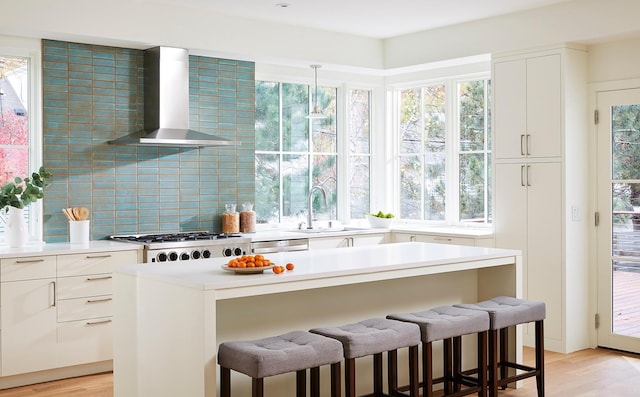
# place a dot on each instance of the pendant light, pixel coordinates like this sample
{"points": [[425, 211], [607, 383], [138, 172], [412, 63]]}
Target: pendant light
{"points": [[316, 113]]}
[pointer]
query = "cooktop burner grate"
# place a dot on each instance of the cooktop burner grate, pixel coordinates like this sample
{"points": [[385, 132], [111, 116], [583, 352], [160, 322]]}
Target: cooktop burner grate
{"points": [[174, 237]]}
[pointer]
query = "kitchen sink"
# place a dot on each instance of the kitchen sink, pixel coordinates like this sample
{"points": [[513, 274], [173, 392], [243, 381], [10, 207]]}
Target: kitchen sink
{"points": [[320, 230]]}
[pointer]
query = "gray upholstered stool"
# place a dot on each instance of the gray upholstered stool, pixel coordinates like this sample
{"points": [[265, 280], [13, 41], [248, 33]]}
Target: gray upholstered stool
{"points": [[504, 312], [449, 324], [374, 337], [295, 351]]}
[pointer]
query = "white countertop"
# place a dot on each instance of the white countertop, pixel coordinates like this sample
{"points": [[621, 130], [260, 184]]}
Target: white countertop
{"points": [[323, 264], [35, 249]]}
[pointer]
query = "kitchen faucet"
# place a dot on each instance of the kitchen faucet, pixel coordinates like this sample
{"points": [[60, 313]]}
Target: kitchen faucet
{"points": [[310, 208]]}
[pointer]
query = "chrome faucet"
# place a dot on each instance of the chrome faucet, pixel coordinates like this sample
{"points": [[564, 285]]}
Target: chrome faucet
{"points": [[310, 208]]}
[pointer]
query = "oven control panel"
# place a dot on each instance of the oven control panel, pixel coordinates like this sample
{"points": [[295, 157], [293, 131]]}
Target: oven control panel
{"points": [[195, 253]]}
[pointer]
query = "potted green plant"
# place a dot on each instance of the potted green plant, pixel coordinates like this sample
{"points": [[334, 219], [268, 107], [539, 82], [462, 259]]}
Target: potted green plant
{"points": [[14, 197]]}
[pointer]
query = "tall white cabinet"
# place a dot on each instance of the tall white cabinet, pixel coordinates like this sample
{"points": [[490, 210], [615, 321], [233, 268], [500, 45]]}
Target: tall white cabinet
{"points": [[540, 181]]}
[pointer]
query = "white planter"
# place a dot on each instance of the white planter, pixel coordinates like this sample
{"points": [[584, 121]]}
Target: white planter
{"points": [[16, 232]]}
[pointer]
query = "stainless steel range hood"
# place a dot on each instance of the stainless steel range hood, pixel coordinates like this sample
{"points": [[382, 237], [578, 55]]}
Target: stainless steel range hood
{"points": [[166, 106]]}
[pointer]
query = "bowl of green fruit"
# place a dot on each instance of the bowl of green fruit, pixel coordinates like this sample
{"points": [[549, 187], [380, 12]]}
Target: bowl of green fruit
{"points": [[380, 220]]}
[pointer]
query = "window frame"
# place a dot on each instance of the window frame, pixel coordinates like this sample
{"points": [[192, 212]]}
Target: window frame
{"points": [[452, 147], [343, 82], [26, 49]]}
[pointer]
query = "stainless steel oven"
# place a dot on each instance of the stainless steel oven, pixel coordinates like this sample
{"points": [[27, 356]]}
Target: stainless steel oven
{"points": [[187, 246]]}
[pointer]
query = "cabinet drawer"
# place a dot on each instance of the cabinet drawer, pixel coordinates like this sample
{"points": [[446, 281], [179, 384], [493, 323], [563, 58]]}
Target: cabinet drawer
{"points": [[84, 308], [447, 240], [93, 263], [27, 268], [84, 341], [83, 286]]}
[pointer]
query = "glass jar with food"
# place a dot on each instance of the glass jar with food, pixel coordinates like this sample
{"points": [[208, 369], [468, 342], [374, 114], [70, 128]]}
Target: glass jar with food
{"points": [[247, 219], [230, 220]]}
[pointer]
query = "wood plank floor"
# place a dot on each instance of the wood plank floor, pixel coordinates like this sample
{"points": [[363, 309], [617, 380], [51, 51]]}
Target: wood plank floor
{"points": [[587, 373], [626, 311]]}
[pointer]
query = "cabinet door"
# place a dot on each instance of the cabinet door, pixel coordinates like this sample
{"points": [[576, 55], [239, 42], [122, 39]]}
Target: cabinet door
{"points": [[527, 107], [367, 239], [543, 270], [328, 242], [509, 108], [28, 326], [544, 106], [510, 210]]}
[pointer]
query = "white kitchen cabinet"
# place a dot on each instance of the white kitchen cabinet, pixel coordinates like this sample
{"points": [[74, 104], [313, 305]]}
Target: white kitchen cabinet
{"points": [[357, 240], [531, 199], [425, 237], [56, 310], [527, 110], [84, 305], [540, 183], [28, 314]]}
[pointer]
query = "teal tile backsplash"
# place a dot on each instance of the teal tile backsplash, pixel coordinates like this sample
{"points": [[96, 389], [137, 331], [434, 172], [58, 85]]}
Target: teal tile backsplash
{"points": [[94, 94]]}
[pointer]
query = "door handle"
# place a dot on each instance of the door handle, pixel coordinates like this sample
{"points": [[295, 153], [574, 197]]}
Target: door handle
{"points": [[528, 144], [99, 278], [522, 176], [522, 150], [52, 293], [528, 175]]}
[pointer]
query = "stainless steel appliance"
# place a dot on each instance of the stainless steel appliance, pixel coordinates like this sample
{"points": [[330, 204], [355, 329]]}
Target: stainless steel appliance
{"points": [[269, 247], [187, 246]]}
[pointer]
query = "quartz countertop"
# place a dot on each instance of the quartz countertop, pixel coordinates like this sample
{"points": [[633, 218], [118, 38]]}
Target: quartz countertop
{"points": [[323, 264], [35, 249]]}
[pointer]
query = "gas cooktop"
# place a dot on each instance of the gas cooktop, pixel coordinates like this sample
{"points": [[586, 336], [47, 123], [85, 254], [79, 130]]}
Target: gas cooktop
{"points": [[173, 237]]}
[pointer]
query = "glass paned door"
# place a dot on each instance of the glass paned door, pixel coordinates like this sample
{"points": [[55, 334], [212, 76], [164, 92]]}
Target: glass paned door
{"points": [[618, 187]]}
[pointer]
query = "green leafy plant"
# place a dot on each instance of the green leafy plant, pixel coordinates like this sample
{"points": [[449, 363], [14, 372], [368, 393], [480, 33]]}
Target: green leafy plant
{"points": [[381, 214], [22, 192]]}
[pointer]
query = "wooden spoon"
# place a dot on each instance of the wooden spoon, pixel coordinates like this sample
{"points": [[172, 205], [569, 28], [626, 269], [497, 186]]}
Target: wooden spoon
{"points": [[76, 213], [83, 213], [66, 213]]}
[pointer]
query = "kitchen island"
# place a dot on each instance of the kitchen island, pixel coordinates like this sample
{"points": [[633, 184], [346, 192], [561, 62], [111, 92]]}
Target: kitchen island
{"points": [[170, 318]]}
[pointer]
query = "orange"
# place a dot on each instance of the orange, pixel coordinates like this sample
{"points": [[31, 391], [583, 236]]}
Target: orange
{"points": [[290, 266]]}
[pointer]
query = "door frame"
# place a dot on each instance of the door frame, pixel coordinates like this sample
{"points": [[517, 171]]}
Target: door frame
{"points": [[593, 89]]}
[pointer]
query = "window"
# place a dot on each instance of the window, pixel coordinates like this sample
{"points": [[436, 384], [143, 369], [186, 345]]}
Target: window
{"points": [[15, 153], [359, 136], [294, 153], [444, 152]]}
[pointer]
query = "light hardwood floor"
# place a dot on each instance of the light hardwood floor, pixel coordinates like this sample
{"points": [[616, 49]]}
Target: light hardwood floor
{"points": [[587, 373]]}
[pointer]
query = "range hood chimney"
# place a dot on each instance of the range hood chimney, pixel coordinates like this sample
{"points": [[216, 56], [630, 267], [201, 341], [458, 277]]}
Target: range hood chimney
{"points": [[166, 104]]}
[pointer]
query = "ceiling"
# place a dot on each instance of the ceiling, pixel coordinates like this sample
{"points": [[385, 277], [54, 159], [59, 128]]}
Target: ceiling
{"points": [[378, 19]]}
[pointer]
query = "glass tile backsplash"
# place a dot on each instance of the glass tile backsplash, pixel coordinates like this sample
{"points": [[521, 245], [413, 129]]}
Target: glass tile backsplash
{"points": [[94, 94]]}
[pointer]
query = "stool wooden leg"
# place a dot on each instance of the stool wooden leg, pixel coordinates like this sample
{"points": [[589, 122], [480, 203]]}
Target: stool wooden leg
{"points": [[225, 382], [447, 353], [427, 369], [414, 382], [493, 363], [336, 388], [377, 374], [482, 363], [540, 357], [257, 387], [457, 363], [392, 371], [504, 354], [350, 377], [314, 384]]}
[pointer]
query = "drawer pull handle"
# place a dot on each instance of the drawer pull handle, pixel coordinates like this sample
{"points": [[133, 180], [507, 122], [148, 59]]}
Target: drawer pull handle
{"points": [[98, 322], [443, 239], [99, 300], [31, 261], [99, 278], [98, 256]]}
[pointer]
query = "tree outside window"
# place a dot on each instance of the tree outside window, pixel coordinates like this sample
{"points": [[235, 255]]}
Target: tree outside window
{"points": [[432, 127], [14, 125], [294, 153]]}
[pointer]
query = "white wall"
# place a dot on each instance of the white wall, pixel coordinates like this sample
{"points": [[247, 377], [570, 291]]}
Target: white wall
{"points": [[138, 24], [616, 60]]}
